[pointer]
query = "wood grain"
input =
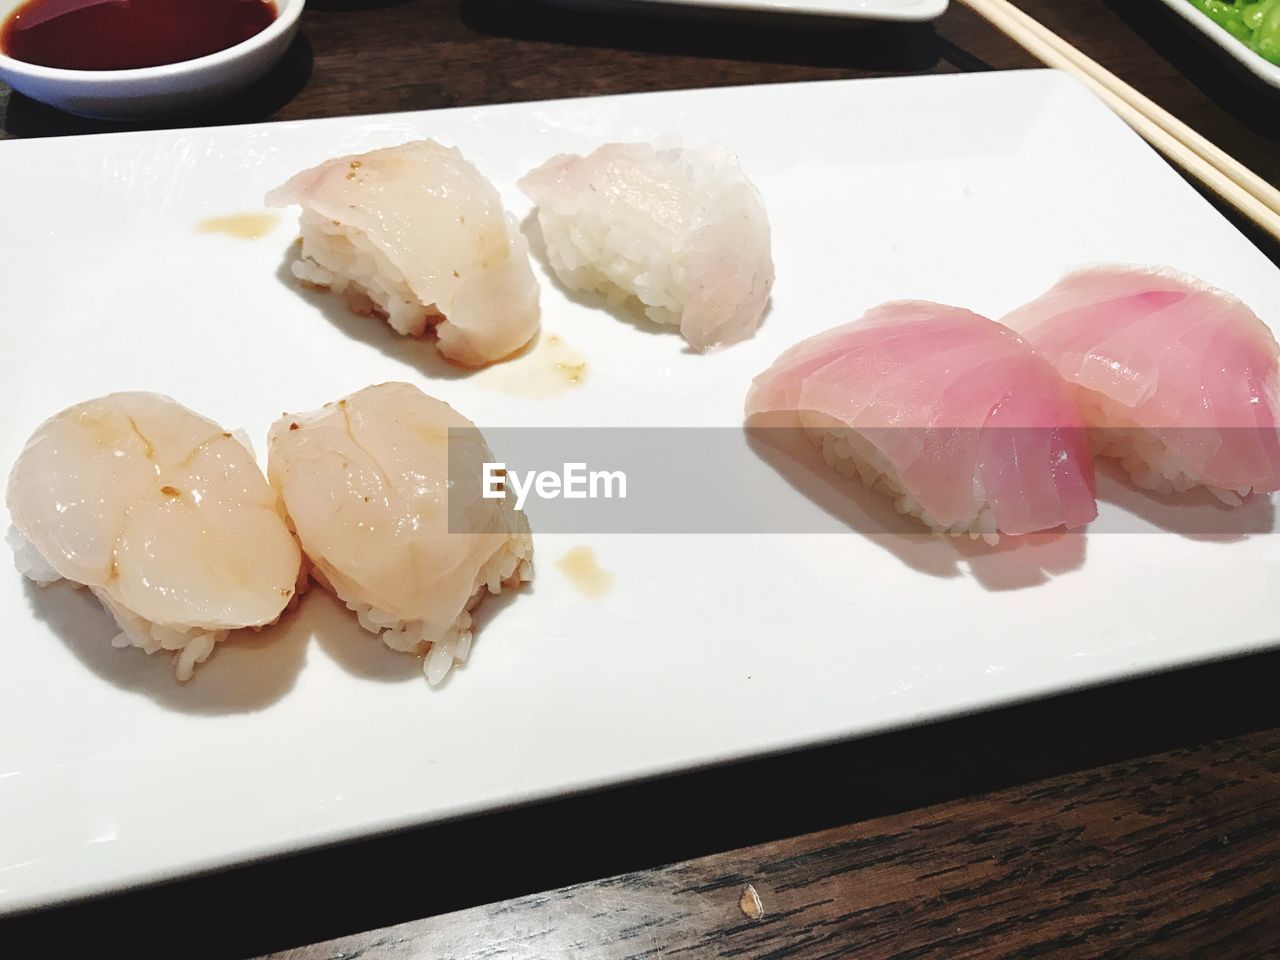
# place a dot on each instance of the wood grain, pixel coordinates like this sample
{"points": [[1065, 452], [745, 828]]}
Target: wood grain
{"points": [[1040, 819], [1175, 855]]}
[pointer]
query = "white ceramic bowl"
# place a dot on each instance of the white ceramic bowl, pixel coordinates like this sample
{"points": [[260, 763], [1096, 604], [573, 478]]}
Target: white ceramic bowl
{"points": [[154, 91], [1259, 66]]}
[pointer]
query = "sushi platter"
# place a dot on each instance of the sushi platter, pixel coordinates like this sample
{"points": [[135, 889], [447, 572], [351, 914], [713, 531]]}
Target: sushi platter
{"points": [[168, 264]]}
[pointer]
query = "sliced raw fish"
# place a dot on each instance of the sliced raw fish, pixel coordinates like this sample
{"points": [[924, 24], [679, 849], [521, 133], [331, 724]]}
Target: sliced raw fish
{"points": [[952, 414], [416, 234], [1179, 378], [679, 228]]}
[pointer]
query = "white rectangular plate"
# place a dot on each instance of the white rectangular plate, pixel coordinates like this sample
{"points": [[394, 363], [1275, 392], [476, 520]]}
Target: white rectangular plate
{"points": [[857, 9], [1262, 68], [977, 190]]}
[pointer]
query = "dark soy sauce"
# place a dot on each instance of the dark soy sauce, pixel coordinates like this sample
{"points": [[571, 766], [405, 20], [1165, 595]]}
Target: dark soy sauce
{"points": [[124, 34]]}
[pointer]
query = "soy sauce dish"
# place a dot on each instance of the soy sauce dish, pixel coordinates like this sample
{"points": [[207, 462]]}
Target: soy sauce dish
{"points": [[132, 59]]}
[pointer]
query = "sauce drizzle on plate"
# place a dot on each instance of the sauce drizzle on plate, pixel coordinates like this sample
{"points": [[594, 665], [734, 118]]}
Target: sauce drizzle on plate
{"points": [[545, 368], [581, 568], [246, 226]]}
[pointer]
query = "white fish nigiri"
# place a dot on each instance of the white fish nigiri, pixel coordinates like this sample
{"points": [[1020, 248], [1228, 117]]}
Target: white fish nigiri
{"points": [[681, 229], [365, 482], [950, 413], [417, 235], [1179, 379], [164, 515]]}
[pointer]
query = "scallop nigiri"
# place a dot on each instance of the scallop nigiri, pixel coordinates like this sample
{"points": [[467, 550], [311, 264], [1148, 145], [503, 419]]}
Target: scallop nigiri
{"points": [[366, 484], [1179, 379], [161, 513], [417, 235], [680, 229], [949, 413]]}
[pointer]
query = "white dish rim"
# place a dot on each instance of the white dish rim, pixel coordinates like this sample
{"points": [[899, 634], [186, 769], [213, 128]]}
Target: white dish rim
{"points": [[918, 11], [1255, 63]]}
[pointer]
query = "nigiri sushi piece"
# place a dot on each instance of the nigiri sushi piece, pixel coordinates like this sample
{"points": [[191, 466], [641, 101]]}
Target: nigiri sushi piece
{"points": [[949, 413], [417, 235], [365, 483], [1178, 379], [681, 229], [159, 511]]}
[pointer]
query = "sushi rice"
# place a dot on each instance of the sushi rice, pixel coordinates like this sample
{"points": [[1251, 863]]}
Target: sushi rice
{"points": [[509, 568], [415, 234], [190, 647], [852, 455], [678, 229], [346, 262], [1166, 413], [1150, 463]]}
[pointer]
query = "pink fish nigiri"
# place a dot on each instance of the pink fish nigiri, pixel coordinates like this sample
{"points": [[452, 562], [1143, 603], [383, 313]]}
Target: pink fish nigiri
{"points": [[949, 412], [1178, 378]]}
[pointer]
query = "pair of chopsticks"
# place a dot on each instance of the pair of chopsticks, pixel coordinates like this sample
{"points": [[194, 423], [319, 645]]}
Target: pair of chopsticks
{"points": [[1200, 158]]}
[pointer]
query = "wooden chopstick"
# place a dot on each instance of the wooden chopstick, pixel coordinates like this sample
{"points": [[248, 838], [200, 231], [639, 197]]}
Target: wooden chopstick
{"points": [[1201, 158]]}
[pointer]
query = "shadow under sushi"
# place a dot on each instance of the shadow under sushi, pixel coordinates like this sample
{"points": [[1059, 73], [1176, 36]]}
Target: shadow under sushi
{"points": [[248, 672], [1196, 514], [365, 656], [1026, 561], [251, 670], [1012, 564], [354, 649], [417, 353], [491, 607]]}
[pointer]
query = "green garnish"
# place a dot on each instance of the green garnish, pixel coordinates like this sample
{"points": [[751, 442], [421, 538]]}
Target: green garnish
{"points": [[1255, 23]]}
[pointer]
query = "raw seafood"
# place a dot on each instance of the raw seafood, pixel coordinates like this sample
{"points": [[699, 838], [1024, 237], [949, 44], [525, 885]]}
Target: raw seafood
{"points": [[417, 235], [951, 414], [681, 229], [366, 484], [162, 514], [1179, 379]]}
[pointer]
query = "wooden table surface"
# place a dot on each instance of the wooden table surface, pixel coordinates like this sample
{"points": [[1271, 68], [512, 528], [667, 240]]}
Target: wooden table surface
{"points": [[1141, 819]]}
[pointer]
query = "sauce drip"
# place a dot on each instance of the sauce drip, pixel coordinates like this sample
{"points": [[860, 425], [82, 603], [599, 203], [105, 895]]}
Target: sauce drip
{"points": [[583, 570], [547, 368], [246, 226], [124, 34]]}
